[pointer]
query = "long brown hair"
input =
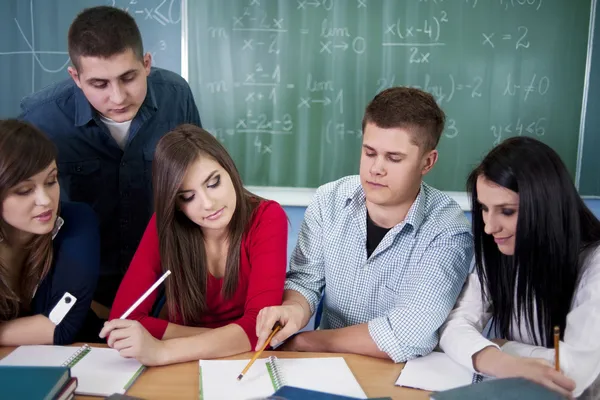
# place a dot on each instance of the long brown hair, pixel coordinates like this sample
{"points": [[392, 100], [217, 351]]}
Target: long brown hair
{"points": [[181, 241], [24, 152]]}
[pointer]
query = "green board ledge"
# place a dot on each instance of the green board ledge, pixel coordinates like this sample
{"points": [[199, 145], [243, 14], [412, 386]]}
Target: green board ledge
{"points": [[301, 197]]}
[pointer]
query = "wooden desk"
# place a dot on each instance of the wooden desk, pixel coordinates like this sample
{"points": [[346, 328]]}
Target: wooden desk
{"points": [[180, 381]]}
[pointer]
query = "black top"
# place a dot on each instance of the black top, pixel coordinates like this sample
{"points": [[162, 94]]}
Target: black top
{"points": [[75, 266], [374, 235]]}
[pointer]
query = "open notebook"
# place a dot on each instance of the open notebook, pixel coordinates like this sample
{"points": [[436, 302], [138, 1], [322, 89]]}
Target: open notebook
{"points": [[218, 378], [99, 371], [436, 372]]}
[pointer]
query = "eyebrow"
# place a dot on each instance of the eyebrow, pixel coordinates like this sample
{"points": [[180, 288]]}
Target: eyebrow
{"points": [[91, 80], [210, 176], [389, 153]]}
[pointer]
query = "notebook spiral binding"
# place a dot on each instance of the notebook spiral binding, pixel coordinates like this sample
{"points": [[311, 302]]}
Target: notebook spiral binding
{"points": [[75, 358], [278, 378]]}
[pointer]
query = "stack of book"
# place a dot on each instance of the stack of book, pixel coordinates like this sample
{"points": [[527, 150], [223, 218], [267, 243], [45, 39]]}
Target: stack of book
{"points": [[37, 383]]}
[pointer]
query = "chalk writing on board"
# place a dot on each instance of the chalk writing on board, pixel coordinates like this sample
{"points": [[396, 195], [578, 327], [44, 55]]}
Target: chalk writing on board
{"points": [[358, 45], [341, 131], [260, 147], [55, 61], [516, 3], [430, 29], [519, 127], [443, 91], [537, 85], [166, 12], [520, 39], [257, 20], [261, 124], [324, 101], [451, 131], [217, 32]]}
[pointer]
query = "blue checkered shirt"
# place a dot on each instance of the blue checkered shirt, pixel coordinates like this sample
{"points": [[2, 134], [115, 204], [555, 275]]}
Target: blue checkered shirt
{"points": [[408, 286]]}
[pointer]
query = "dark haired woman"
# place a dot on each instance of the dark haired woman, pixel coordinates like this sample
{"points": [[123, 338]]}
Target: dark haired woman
{"points": [[49, 250], [225, 248], [537, 266]]}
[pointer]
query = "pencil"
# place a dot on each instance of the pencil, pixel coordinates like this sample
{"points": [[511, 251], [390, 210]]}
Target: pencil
{"points": [[139, 301], [276, 328], [556, 352]]}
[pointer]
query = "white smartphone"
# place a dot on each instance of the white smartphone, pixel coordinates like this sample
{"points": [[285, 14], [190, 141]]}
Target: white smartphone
{"points": [[62, 308]]}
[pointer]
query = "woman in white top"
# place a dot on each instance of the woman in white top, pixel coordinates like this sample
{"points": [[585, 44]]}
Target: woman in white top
{"points": [[536, 258]]}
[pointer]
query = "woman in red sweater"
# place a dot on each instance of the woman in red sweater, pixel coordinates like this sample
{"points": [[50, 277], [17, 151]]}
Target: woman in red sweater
{"points": [[225, 248]]}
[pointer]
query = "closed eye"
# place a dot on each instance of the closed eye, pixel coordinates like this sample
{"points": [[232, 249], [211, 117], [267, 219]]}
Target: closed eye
{"points": [[24, 192], [214, 182], [186, 199], [508, 212]]}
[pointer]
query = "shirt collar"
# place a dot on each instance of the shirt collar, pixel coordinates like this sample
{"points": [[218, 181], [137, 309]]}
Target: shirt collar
{"points": [[84, 112], [416, 212]]}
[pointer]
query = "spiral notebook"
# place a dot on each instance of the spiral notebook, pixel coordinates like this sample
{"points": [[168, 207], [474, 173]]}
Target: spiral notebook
{"points": [[218, 378], [99, 371]]}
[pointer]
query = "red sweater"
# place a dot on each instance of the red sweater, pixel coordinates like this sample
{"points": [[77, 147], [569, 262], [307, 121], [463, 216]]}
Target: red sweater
{"points": [[262, 276]]}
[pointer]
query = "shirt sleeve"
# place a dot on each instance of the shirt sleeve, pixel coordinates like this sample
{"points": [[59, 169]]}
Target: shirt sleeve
{"points": [[307, 265], [192, 110], [424, 299], [461, 335], [580, 350], [143, 272], [77, 264], [267, 254]]}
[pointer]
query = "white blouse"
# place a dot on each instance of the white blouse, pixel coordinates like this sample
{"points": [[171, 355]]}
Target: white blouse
{"points": [[461, 338]]}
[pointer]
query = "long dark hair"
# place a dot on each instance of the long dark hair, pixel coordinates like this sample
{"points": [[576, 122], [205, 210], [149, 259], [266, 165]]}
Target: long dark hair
{"points": [[554, 227], [24, 152], [181, 242]]}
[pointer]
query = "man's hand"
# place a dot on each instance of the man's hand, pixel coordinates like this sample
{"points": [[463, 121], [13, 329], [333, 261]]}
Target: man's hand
{"points": [[132, 340], [290, 316]]}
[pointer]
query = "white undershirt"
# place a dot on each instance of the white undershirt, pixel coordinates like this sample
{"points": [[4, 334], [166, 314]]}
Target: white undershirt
{"points": [[118, 130]]}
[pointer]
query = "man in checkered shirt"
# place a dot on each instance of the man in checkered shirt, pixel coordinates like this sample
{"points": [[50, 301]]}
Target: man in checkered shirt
{"points": [[389, 252]]}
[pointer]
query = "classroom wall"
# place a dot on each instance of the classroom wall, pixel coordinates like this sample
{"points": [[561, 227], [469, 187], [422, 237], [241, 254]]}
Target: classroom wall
{"points": [[296, 214]]}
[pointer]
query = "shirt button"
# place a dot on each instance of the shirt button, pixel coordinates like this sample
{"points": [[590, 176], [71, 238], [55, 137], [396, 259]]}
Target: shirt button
{"points": [[78, 168], [123, 163]]}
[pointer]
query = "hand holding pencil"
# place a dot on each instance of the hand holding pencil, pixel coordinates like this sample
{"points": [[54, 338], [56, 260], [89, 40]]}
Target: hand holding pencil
{"points": [[276, 328]]}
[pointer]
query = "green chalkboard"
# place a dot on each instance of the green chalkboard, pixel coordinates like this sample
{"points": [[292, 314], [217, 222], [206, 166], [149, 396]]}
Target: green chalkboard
{"points": [[283, 83]]}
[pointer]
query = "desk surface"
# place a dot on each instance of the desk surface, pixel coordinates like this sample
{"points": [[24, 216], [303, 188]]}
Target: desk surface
{"points": [[180, 381]]}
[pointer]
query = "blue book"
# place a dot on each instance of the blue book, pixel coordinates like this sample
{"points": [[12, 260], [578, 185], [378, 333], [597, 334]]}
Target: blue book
{"points": [[499, 389], [294, 393], [34, 383]]}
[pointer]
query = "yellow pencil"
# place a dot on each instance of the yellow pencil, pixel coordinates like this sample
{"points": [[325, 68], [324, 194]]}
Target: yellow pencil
{"points": [[276, 328], [556, 341]]}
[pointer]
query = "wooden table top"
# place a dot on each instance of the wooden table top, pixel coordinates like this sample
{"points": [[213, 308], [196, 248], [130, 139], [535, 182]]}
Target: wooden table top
{"points": [[181, 381]]}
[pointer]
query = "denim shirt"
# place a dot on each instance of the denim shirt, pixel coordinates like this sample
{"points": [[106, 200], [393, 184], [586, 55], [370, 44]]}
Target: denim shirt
{"points": [[92, 167]]}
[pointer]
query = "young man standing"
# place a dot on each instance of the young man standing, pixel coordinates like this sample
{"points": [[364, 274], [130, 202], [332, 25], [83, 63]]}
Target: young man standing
{"points": [[106, 120], [389, 252]]}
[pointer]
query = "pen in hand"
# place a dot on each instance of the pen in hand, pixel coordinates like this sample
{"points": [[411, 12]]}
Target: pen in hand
{"points": [[276, 328]]}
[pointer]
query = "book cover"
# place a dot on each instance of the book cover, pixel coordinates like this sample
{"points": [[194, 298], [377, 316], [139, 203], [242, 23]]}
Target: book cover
{"points": [[20, 382]]}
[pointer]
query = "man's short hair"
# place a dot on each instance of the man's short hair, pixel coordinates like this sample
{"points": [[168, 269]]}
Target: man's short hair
{"points": [[411, 109], [103, 32]]}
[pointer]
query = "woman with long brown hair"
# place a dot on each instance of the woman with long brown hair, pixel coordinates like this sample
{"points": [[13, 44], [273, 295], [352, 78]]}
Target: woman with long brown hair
{"points": [[49, 250], [225, 248]]}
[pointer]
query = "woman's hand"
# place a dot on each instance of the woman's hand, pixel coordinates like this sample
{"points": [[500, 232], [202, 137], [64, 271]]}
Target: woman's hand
{"points": [[491, 361], [132, 340]]}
